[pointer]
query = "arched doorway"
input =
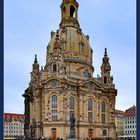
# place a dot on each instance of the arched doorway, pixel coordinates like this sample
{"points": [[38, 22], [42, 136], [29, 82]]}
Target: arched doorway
{"points": [[90, 133], [53, 133]]}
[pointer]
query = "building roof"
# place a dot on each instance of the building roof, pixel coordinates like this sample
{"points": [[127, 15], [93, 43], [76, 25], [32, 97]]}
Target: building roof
{"points": [[12, 117], [120, 112], [131, 111]]}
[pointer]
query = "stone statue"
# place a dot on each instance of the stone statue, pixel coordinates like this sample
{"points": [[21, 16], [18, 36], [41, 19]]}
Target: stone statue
{"points": [[72, 127]]}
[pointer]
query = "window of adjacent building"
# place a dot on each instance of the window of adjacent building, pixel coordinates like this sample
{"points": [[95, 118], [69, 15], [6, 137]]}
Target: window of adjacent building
{"points": [[125, 126], [72, 106], [104, 132]]}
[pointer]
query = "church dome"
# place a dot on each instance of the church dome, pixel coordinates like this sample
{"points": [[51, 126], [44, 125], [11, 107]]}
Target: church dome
{"points": [[71, 42], [69, 39]]}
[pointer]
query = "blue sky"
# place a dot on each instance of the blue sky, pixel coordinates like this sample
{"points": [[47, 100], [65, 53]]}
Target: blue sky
{"points": [[110, 24]]}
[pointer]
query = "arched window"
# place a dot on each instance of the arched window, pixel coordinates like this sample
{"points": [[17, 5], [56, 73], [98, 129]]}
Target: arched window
{"points": [[90, 108], [103, 119], [54, 68], [64, 9], [86, 73], [81, 47], [54, 108], [103, 106], [104, 132], [62, 46], [54, 101], [72, 11], [72, 105], [105, 80], [90, 104], [71, 102]]}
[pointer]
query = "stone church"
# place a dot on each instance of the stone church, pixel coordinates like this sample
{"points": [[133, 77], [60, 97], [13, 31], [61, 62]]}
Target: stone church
{"points": [[66, 86]]}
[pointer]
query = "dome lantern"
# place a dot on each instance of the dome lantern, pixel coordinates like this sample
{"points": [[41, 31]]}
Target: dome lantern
{"points": [[69, 13]]}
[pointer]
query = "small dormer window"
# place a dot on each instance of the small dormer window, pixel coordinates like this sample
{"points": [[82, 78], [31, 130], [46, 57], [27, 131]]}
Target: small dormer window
{"points": [[81, 47], [86, 73], [72, 11]]}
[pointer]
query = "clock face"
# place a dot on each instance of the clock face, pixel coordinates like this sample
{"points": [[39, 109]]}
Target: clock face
{"points": [[55, 58], [53, 83]]}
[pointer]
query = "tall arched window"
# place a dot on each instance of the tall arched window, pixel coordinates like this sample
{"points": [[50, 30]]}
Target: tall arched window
{"points": [[90, 109], [72, 11], [54, 108], [54, 68], [103, 106], [72, 105], [90, 103], [71, 102], [54, 101], [103, 116]]}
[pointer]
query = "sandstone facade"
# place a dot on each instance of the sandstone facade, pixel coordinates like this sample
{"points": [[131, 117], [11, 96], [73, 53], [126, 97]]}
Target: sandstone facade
{"points": [[66, 86]]}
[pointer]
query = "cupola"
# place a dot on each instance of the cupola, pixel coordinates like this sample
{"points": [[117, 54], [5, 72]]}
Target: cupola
{"points": [[69, 13]]}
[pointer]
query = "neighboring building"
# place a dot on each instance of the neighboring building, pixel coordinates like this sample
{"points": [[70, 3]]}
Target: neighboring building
{"points": [[130, 122], [13, 125], [66, 86], [119, 121]]}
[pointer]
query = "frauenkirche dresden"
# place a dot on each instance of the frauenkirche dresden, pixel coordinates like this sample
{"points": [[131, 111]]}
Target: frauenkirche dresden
{"points": [[65, 87]]}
